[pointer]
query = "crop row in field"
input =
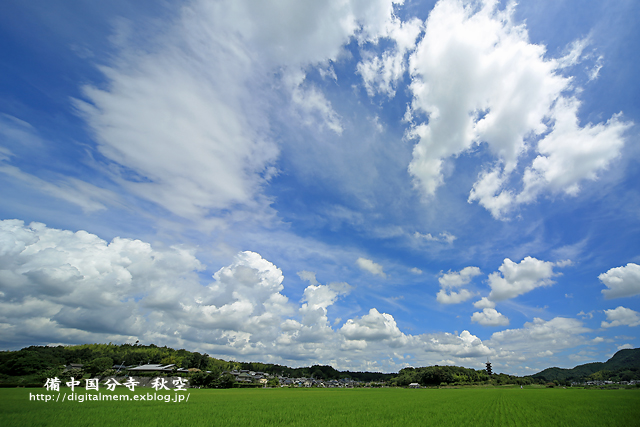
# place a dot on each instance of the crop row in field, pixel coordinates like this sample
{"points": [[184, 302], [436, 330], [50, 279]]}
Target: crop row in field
{"points": [[333, 407]]}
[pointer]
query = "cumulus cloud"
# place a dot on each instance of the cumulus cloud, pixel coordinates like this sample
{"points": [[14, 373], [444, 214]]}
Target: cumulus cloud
{"points": [[314, 325], [571, 154], [484, 302], [370, 266], [57, 286], [517, 279], [81, 288], [621, 281], [374, 326], [465, 345], [500, 90], [80, 283], [460, 278], [490, 317], [452, 297], [621, 316], [245, 296], [455, 280], [553, 335]]}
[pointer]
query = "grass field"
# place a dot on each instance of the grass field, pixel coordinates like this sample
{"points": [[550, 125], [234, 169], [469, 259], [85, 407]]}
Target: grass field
{"points": [[334, 407]]}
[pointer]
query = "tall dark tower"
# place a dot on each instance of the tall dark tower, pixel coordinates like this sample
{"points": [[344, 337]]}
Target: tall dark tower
{"points": [[489, 368]]}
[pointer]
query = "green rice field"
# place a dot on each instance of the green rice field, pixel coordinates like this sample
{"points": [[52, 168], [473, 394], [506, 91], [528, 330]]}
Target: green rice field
{"points": [[330, 407]]}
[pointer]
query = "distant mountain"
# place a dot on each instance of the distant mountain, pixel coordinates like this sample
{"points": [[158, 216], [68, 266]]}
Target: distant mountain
{"points": [[623, 366]]}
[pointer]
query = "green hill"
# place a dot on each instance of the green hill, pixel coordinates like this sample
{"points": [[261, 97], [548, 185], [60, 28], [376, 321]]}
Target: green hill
{"points": [[39, 361], [623, 366], [32, 364]]}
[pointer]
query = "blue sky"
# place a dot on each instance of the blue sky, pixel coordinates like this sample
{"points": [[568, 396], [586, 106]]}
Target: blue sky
{"points": [[365, 184]]}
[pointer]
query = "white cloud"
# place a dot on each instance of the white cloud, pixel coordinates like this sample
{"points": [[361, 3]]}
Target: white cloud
{"points": [[73, 190], [308, 276], [322, 296], [499, 87], [381, 73], [621, 281], [80, 193], [445, 237], [452, 297], [416, 270], [625, 346], [374, 326], [245, 296], [370, 266], [595, 70], [484, 302], [490, 317], [79, 288], [183, 119], [500, 90], [63, 287], [16, 131], [315, 107], [314, 326], [84, 285], [588, 315], [457, 279], [554, 335], [173, 118], [570, 153], [465, 345], [57, 286], [517, 279], [574, 53], [621, 316]]}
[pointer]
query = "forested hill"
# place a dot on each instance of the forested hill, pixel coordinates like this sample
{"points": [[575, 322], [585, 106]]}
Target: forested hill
{"points": [[623, 366], [38, 359]]}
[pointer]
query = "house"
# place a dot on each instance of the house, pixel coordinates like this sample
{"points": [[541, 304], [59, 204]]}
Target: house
{"points": [[285, 381], [155, 367], [119, 368], [244, 378]]}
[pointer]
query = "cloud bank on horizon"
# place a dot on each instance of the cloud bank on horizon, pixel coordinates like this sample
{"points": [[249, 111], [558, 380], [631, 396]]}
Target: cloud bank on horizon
{"points": [[366, 184]]}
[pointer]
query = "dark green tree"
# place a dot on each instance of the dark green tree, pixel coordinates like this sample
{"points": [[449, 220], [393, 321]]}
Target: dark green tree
{"points": [[99, 365]]}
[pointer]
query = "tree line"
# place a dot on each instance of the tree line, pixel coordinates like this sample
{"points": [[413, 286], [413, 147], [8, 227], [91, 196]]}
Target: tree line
{"points": [[36, 363], [453, 375]]}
